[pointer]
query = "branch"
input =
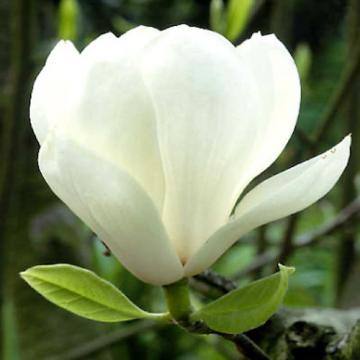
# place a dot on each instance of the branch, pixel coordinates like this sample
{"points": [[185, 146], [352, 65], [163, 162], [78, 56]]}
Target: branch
{"points": [[246, 346], [287, 246], [216, 281], [259, 262], [292, 333], [351, 69], [243, 343], [344, 216]]}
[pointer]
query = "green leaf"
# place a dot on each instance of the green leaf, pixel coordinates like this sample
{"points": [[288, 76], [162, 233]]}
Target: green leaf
{"points": [[303, 60], [237, 17], [83, 293], [10, 337], [121, 24], [248, 307], [68, 17], [217, 16]]}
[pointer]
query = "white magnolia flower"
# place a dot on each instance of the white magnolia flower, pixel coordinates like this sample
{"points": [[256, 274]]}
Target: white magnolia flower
{"points": [[150, 138]]}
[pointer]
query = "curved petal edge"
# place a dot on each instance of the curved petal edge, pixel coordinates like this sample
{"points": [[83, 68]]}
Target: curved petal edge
{"points": [[114, 206], [281, 195], [51, 88]]}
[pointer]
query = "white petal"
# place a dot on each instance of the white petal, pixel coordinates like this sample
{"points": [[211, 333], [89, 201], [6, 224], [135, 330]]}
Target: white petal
{"points": [[49, 95], [206, 109], [111, 112], [100, 48], [281, 195], [114, 206], [277, 82], [107, 46]]}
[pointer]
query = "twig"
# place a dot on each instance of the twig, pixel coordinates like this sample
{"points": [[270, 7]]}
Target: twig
{"points": [[351, 69], [308, 239], [261, 247], [341, 219], [243, 343], [287, 245], [331, 110], [246, 346], [216, 281], [261, 240]]}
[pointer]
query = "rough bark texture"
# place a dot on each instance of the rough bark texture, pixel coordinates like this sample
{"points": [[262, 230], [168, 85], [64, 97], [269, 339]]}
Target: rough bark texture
{"points": [[297, 333], [311, 334]]}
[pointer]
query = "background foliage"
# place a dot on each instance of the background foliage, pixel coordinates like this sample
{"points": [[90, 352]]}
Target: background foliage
{"points": [[35, 228]]}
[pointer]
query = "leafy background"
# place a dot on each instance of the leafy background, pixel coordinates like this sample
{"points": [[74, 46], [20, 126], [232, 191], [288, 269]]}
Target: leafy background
{"points": [[36, 228]]}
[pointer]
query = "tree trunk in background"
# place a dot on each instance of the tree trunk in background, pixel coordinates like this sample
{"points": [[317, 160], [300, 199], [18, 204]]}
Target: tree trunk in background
{"points": [[346, 247], [25, 330], [17, 16], [4, 63]]}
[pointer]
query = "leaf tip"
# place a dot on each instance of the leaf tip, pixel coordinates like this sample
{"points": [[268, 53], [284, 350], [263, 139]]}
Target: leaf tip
{"points": [[289, 270], [24, 274]]}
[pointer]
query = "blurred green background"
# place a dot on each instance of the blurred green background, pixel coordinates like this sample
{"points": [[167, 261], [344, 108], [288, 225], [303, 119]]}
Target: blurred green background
{"points": [[36, 228]]}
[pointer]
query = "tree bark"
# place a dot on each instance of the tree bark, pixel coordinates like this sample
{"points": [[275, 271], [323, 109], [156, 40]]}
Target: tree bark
{"points": [[311, 334]]}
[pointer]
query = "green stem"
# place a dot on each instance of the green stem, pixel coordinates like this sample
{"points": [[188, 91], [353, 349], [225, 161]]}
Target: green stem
{"points": [[178, 301], [179, 306], [159, 317]]}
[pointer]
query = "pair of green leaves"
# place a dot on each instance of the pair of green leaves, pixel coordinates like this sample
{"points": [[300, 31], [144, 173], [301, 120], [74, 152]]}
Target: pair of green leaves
{"points": [[84, 293]]}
